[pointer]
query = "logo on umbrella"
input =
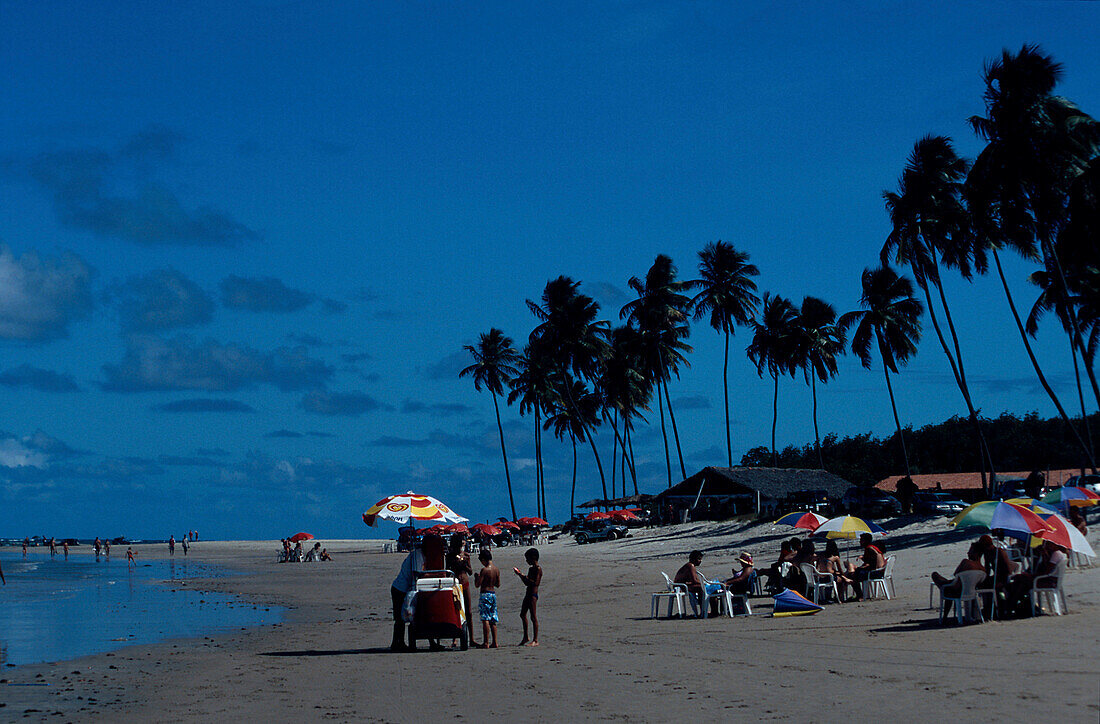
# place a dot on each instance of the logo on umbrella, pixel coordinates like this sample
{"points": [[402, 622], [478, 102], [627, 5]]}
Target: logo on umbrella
{"points": [[397, 507]]}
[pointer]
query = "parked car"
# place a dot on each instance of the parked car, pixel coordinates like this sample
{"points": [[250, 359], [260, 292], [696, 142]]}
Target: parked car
{"points": [[932, 502], [1088, 482], [871, 502], [599, 530], [815, 501]]}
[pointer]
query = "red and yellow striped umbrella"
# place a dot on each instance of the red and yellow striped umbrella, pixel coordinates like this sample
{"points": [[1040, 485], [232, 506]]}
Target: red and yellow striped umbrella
{"points": [[411, 506]]}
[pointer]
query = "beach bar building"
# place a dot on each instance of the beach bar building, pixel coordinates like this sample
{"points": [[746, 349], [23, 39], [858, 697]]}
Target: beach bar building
{"points": [[722, 492]]}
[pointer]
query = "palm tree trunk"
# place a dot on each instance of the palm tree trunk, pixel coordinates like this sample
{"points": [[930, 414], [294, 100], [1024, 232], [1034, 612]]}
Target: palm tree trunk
{"points": [[675, 432], [726, 395], [504, 453], [922, 282], [775, 417], [817, 437], [573, 490], [538, 476], [633, 471], [1081, 399], [599, 465], [1035, 362], [615, 453], [987, 455], [664, 435], [1087, 364], [897, 420]]}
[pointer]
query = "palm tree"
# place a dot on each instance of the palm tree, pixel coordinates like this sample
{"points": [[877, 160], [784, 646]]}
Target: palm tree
{"points": [[930, 223], [1077, 253], [727, 295], [575, 413], [890, 316], [660, 314], [1037, 144], [625, 391], [818, 342], [533, 387], [772, 347], [576, 342], [494, 365]]}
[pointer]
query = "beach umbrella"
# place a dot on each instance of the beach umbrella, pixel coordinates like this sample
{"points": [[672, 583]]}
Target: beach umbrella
{"points": [[532, 522], [850, 527], [507, 525], [623, 515], [456, 528], [486, 530], [790, 603], [1035, 506], [300, 537], [1071, 495], [1066, 535], [597, 515], [800, 519], [411, 506], [999, 515]]}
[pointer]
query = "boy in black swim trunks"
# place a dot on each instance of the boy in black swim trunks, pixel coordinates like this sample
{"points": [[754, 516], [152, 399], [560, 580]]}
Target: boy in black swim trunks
{"points": [[531, 597]]}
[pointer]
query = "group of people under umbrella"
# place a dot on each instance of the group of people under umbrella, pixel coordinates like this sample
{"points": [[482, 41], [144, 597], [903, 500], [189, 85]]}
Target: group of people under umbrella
{"points": [[1039, 540]]}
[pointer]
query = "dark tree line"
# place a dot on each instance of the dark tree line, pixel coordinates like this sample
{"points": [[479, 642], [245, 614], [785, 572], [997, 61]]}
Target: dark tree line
{"points": [[1017, 443]]}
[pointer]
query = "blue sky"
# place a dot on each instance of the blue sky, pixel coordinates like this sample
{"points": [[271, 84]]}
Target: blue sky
{"points": [[244, 243]]}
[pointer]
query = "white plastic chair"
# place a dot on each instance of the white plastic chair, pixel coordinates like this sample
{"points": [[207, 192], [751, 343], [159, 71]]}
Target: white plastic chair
{"points": [[676, 593], [1054, 594], [885, 582], [817, 581], [968, 605], [722, 595]]}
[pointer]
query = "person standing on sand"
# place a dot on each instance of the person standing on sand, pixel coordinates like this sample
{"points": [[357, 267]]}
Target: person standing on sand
{"points": [[171, 545], [65, 548], [106, 547], [96, 545], [53, 547], [183, 541], [458, 561], [130, 562], [26, 542], [531, 597], [411, 568], [487, 581]]}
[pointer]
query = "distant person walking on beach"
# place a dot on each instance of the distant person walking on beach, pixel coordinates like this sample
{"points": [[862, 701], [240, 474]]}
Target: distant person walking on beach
{"points": [[26, 542], [65, 548], [184, 542], [53, 547], [531, 596], [130, 562], [171, 545], [96, 545], [106, 547], [487, 581]]}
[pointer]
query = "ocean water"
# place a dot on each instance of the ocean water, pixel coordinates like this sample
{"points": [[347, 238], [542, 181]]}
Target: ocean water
{"points": [[57, 609]]}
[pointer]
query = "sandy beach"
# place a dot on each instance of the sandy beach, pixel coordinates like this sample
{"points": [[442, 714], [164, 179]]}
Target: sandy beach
{"points": [[602, 657]]}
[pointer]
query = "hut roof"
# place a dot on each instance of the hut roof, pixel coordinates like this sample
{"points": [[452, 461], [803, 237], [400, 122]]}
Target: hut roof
{"points": [[772, 483]]}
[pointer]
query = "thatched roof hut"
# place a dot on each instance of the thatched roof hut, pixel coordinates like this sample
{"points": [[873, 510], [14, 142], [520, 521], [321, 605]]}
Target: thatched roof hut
{"points": [[752, 488]]}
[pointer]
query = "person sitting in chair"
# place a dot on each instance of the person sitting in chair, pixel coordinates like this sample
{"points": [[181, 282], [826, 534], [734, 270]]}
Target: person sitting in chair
{"points": [[871, 567], [689, 576], [742, 580]]}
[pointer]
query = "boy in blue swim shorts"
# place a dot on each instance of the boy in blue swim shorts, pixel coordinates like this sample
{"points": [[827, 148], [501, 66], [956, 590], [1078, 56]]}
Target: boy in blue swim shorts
{"points": [[487, 580]]}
